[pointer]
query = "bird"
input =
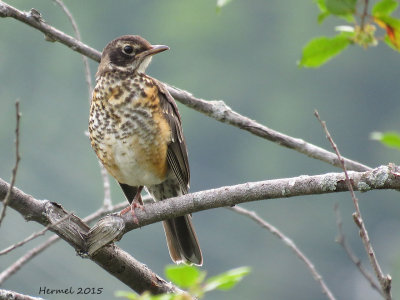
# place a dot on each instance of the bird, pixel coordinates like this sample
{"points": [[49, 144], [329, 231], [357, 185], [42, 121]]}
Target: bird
{"points": [[136, 131]]}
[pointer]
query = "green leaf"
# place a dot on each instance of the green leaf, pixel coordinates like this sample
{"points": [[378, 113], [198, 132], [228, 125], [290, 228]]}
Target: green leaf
{"points": [[324, 12], [227, 280], [321, 49], [341, 7], [183, 275], [321, 5], [389, 139], [384, 8], [322, 16]]}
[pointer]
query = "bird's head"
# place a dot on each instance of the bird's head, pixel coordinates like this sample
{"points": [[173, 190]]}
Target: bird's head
{"points": [[128, 53]]}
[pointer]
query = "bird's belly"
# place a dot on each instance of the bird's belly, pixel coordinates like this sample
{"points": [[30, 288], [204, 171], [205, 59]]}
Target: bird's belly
{"points": [[132, 161]]}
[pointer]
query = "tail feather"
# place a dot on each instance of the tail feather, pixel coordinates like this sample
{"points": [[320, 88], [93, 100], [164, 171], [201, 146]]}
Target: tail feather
{"points": [[182, 241]]}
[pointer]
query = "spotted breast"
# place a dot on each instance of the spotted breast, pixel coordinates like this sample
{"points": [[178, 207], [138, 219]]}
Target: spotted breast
{"points": [[127, 130]]}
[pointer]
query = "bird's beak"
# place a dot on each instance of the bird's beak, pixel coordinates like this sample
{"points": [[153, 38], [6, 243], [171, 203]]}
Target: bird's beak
{"points": [[154, 50]]}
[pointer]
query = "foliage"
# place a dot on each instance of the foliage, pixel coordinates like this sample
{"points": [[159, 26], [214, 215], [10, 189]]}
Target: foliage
{"points": [[193, 280], [360, 30]]}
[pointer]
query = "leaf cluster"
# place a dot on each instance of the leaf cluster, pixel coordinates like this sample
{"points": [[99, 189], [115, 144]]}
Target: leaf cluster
{"points": [[194, 281], [361, 29]]}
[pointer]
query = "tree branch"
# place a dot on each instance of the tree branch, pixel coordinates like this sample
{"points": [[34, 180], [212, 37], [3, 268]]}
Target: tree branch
{"points": [[215, 109], [384, 177], [113, 227], [385, 281], [288, 242]]}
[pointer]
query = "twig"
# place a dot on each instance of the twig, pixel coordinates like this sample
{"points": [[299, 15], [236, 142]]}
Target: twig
{"points": [[288, 242], [4, 275], [364, 14], [33, 236], [384, 281], [29, 255], [106, 182], [17, 159], [79, 38], [341, 240], [8, 295], [107, 203], [215, 109]]}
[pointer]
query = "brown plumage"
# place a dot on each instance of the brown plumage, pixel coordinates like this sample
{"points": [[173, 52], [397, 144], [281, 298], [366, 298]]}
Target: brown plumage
{"points": [[135, 130]]}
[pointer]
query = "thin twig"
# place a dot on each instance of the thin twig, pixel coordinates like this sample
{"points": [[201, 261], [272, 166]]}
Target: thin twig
{"points": [[215, 109], [79, 38], [33, 236], [364, 14], [341, 240], [107, 203], [288, 242], [384, 281], [106, 181], [17, 159], [4, 275]]}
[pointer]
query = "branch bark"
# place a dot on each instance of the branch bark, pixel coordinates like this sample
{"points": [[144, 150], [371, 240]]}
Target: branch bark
{"points": [[115, 226], [215, 109]]}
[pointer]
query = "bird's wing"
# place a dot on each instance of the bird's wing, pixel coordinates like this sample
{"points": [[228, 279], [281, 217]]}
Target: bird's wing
{"points": [[177, 156]]}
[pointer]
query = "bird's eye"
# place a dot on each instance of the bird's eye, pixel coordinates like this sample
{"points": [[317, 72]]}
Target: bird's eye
{"points": [[127, 49]]}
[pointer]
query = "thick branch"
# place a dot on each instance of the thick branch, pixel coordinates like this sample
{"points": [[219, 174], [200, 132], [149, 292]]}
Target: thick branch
{"points": [[215, 109], [383, 177], [113, 227]]}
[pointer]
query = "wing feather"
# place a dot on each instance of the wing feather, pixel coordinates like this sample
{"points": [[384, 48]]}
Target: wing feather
{"points": [[177, 156]]}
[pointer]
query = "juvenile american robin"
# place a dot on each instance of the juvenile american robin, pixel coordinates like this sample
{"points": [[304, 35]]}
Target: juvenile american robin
{"points": [[135, 130]]}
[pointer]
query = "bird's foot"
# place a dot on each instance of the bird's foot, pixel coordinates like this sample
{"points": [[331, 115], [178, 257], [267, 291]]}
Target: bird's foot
{"points": [[136, 203]]}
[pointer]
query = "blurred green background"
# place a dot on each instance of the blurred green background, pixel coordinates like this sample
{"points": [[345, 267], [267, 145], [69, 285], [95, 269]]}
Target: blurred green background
{"points": [[245, 55]]}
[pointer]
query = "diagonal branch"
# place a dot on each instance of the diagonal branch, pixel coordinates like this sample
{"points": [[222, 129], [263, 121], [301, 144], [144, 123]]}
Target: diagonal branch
{"points": [[288, 242], [215, 109]]}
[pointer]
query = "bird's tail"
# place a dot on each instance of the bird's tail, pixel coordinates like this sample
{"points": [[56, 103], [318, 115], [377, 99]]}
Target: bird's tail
{"points": [[182, 241]]}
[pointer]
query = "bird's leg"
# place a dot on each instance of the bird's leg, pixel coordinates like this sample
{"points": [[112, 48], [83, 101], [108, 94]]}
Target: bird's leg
{"points": [[136, 202]]}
